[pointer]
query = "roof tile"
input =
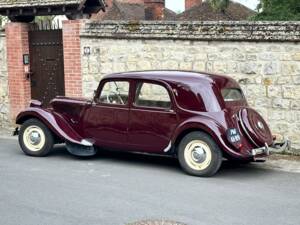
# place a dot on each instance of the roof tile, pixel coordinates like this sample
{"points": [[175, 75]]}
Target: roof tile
{"points": [[30, 3], [205, 12]]}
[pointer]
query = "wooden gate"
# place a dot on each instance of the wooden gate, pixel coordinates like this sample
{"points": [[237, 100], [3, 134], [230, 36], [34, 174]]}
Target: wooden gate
{"points": [[46, 63]]}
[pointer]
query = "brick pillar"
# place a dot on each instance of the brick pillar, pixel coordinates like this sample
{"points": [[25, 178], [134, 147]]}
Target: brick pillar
{"points": [[191, 3], [72, 58], [17, 44]]}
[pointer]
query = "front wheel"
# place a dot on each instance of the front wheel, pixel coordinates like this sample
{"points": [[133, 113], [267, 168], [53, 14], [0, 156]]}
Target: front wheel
{"points": [[35, 138], [199, 155]]}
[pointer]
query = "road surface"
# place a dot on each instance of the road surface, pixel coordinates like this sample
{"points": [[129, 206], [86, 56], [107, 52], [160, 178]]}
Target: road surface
{"points": [[119, 188]]}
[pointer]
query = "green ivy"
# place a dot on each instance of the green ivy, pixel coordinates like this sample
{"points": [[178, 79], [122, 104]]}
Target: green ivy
{"points": [[271, 10]]}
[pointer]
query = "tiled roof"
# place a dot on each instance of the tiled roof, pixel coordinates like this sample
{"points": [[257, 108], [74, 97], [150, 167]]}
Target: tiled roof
{"points": [[31, 3], [122, 11], [204, 12], [169, 14], [129, 11]]}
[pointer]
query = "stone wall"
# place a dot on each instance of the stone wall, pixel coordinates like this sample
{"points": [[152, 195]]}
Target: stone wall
{"points": [[4, 108], [263, 57]]}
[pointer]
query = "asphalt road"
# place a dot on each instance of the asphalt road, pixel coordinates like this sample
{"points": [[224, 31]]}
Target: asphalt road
{"points": [[118, 188]]}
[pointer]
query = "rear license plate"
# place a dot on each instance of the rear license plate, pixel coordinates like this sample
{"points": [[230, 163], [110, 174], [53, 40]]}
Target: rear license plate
{"points": [[233, 135]]}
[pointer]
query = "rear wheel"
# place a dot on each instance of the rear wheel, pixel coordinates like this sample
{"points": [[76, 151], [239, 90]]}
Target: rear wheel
{"points": [[35, 138], [199, 155]]}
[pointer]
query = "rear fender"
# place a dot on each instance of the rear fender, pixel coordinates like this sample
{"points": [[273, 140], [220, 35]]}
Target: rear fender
{"points": [[55, 122], [207, 125]]}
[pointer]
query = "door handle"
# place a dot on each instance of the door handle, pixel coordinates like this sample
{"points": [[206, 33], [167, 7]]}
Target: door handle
{"points": [[170, 111]]}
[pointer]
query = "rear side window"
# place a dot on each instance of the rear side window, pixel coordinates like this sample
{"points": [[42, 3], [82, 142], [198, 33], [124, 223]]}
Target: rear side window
{"points": [[232, 94], [152, 95]]}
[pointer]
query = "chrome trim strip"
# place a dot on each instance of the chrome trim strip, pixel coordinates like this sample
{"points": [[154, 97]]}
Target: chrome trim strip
{"points": [[168, 147], [86, 143]]}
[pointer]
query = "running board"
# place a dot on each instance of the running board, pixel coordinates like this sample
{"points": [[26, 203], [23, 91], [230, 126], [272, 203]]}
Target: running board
{"points": [[81, 150]]}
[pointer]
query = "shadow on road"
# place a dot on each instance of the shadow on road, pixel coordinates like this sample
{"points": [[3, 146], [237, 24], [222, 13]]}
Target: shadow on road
{"points": [[228, 169]]}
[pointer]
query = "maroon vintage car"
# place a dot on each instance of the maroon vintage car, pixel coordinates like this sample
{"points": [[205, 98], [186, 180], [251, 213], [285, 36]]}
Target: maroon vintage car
{"points": [[198, 117]]}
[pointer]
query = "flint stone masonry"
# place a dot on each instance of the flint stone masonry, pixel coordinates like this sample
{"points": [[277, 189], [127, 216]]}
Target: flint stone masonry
{"points": [[4, 104], [263, 57]]}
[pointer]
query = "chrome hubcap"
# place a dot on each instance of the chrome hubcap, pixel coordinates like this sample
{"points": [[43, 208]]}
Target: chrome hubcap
{"points": [[34, 138], [197, 155]]}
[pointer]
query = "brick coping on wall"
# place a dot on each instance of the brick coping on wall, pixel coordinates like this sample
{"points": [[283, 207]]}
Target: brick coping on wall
{"points": [[195, 30]]}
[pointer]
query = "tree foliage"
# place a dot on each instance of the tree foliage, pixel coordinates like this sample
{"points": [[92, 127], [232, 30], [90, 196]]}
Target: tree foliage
{"points": [[43, 18], [278, 10], [220, 5]]}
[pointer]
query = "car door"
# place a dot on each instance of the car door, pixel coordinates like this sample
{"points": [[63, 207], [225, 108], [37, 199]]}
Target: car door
{"points": [[152, 118], [107, 120]]}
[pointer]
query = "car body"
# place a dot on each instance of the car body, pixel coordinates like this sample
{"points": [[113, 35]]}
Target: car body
{"points": [[154, 112]]}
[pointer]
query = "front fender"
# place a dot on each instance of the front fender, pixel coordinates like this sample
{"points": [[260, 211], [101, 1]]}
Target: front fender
{"points": [[55, 122], [208, 125]]}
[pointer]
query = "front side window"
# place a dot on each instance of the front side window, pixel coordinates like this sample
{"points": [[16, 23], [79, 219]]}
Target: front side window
{"points": [[152, 95], [115, 92], [232, 94]]}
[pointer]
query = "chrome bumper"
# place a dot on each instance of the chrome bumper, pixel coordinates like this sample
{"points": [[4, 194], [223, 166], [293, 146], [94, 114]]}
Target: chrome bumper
{"points": [[261, 151], [260, 154]]}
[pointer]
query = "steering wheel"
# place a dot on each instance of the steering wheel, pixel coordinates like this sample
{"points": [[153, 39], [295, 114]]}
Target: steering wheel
{"points": [[110, 95]]}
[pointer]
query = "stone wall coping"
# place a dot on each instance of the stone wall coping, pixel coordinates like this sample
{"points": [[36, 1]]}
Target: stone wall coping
{"points": [[194, 30]]}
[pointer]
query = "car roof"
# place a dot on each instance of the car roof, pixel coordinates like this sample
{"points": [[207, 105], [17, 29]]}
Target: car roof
{"points": [[174, 76]]}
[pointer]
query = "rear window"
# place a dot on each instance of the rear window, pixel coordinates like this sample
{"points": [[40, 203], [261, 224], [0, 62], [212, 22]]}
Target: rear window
{"points": [[232, 94]]}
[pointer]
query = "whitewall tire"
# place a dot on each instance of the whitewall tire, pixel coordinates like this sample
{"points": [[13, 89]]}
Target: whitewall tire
{"points": [[35, 138], [199, 155]]}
